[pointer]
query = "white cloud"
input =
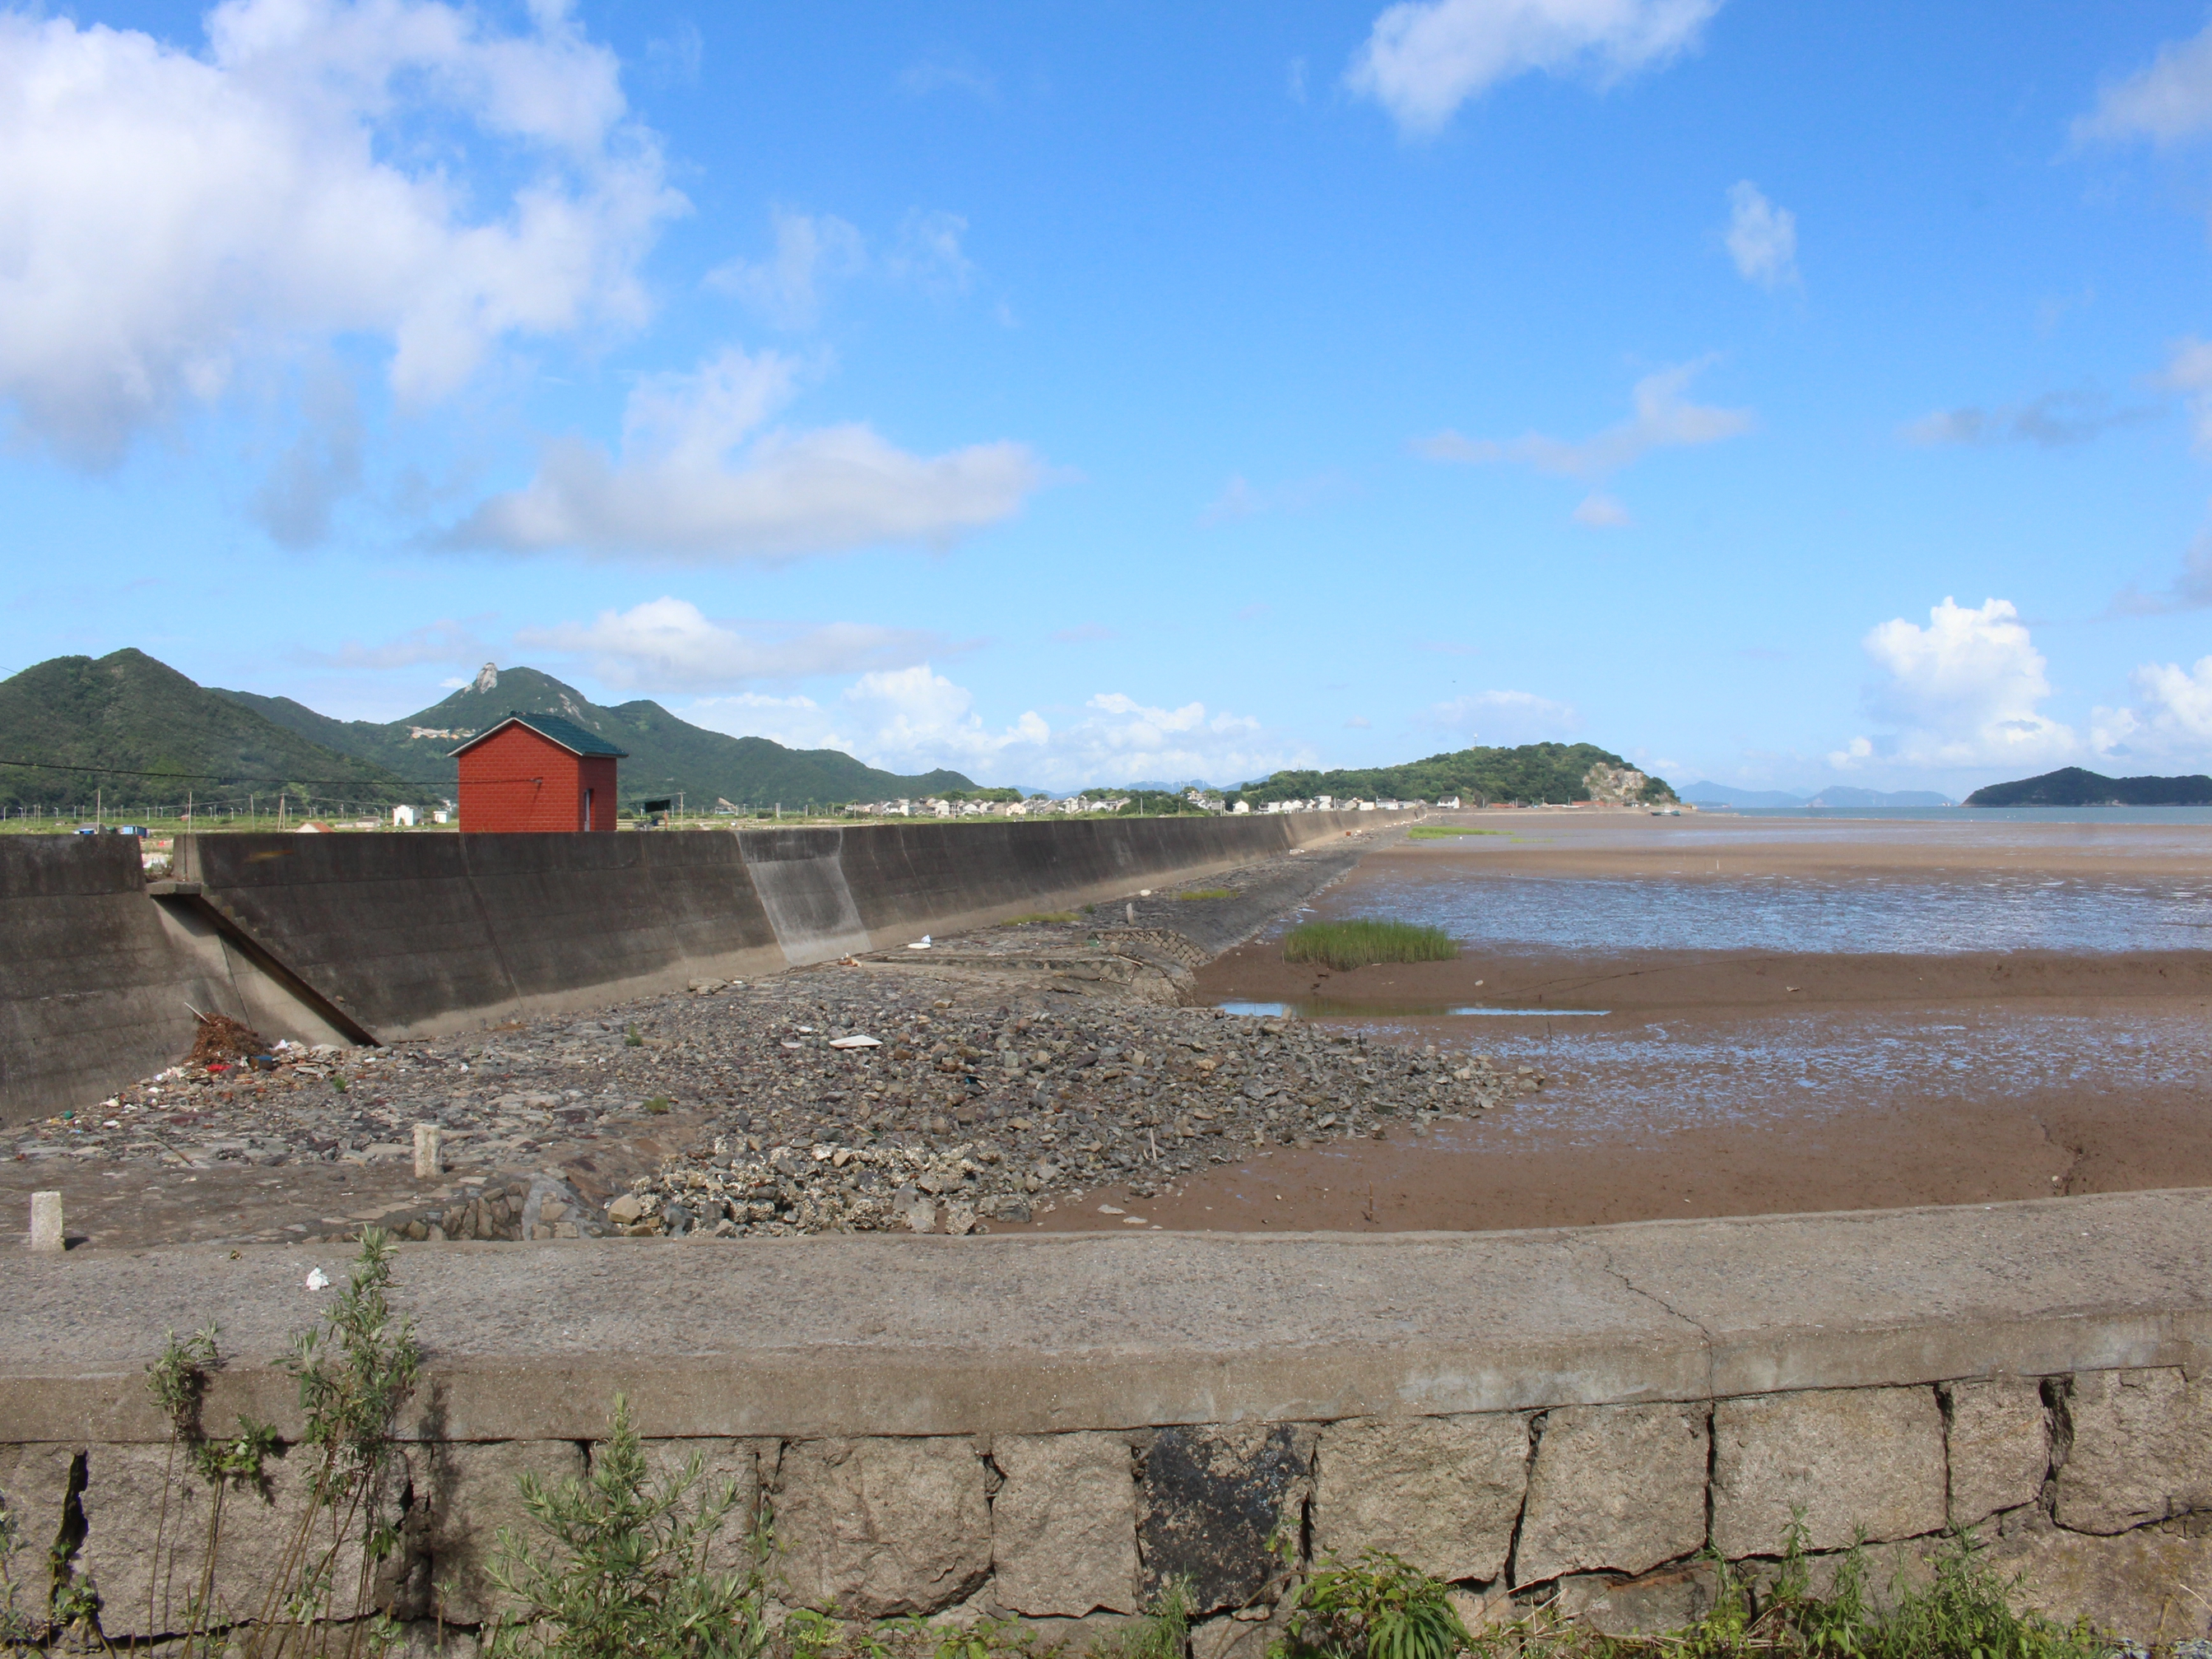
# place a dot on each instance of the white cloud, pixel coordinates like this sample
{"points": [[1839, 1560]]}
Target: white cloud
{"points": [[949, 73], [1762, 238], [2172, 99], [928, 254], [670, 645], [2179, 700], [1663, 419], [915, 720], [320, 468], [1504, 718], [1602, 511], [698, 480], [786, 288], [1962, 691], [2191, 590], [445, 641], [167, 219], [2174, 721], [2189, 370], [1240, 499], [1423, 58], [2056, 420]]}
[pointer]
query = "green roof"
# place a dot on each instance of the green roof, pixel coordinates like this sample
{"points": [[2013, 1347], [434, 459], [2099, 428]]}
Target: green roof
{"points": [[569, 735]]}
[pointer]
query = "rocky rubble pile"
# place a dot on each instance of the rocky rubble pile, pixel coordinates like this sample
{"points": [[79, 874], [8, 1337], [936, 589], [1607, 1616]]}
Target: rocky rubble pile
{"points": [[864, 1114], [863, 1097]]}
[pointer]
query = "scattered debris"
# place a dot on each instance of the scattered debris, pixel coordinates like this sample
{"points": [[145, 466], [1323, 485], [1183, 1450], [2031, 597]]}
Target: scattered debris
{"points": [[223, 1039]]}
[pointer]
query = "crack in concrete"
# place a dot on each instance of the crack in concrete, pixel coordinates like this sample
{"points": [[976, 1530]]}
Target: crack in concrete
{"points": [[1705, 1336]]}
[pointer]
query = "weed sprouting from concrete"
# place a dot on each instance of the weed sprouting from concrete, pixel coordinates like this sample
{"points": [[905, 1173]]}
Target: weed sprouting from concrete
{"points": [[354, 1372], [1378, 1606], [1162, 1633], [622, 1567], [1362, 943]]}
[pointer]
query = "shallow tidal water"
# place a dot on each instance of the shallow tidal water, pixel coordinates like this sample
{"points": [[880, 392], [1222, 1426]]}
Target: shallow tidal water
{"points": [[1884, 913]]}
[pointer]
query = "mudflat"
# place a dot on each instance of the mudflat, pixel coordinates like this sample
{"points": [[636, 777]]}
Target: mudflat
{"points": [[1753, 1016]]}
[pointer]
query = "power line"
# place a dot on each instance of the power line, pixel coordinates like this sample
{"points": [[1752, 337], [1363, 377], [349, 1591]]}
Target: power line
{"points": [[240, 777]]}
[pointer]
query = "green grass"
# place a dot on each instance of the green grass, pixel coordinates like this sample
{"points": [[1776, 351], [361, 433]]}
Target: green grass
{"points": [[1440, 831], [1040, 915], [1208, 893], [1360, 944]]}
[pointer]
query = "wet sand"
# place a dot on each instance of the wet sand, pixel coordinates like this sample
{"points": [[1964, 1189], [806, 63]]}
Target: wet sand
{"points": [[1715, 1082]]}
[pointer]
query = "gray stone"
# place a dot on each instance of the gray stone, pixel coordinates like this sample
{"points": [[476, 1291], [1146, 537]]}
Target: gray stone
{"points": [[723, 1465], [1850, 1459], [1999, 1442], [1213, 1499], [35, 1483], [2151, 1585], [1646, 1606], [1614, 1488], [2141, 1450], [146, 1537], [463, 1495], [877, 1528], [1441, 1491], [1064, 1525]]}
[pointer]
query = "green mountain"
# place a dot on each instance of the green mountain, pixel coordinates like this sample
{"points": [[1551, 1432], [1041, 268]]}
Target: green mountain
{"points": [[1535, 772], [667, 756], [127, 715], [2070, 785]]}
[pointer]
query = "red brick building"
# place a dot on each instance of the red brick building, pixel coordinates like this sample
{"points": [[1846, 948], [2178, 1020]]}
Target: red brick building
{"points": [[537, 772]]}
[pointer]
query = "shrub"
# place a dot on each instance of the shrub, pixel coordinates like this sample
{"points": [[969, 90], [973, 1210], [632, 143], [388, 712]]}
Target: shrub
{"points": [[1359, 943], [621, 1571], [1380, 1607]]}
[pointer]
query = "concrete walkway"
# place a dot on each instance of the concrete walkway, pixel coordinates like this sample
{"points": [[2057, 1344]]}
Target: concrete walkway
{"points": [[917, 1336]]}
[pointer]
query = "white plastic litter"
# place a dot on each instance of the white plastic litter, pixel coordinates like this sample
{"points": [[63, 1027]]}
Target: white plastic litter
{"points": [[318, 1280], [855, 1042], [921, 944]]}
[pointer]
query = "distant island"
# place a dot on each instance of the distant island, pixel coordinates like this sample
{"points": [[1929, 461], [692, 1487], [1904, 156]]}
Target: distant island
{"points": [[1550, 773], [2070, 785]]}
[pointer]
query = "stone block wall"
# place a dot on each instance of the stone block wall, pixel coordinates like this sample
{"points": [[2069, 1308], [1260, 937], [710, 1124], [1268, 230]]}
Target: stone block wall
{"points": [[2096, 1486]]}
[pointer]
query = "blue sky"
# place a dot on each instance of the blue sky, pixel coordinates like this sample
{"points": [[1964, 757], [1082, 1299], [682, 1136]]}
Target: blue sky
{"points": [[1777, 394]]}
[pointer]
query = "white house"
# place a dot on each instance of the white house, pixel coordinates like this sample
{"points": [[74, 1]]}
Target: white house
{"points": [[403, 817]]}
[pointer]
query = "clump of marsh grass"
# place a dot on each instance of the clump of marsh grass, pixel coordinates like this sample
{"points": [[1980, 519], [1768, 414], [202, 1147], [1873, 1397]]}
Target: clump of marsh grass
{"points": [[1380, 1607], [1208, 893], [1042, 915], [1362, 943]]}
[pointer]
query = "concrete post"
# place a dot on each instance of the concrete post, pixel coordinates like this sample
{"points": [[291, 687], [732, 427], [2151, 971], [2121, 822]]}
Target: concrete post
{"points": [[45, 1221], [427, 1160]]}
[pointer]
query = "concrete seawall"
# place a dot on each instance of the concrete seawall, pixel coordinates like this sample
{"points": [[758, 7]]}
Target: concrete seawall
{"points": [[371, 938], [1049, 1427]]}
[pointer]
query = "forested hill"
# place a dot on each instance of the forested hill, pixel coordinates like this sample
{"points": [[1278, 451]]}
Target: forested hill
{"points": [[2071, 786], [1553, 773], [126, 715], [666, 756]]}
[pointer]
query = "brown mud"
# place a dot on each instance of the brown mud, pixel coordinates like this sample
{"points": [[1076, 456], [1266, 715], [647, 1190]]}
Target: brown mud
{"points": [[1783, 1082]]}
